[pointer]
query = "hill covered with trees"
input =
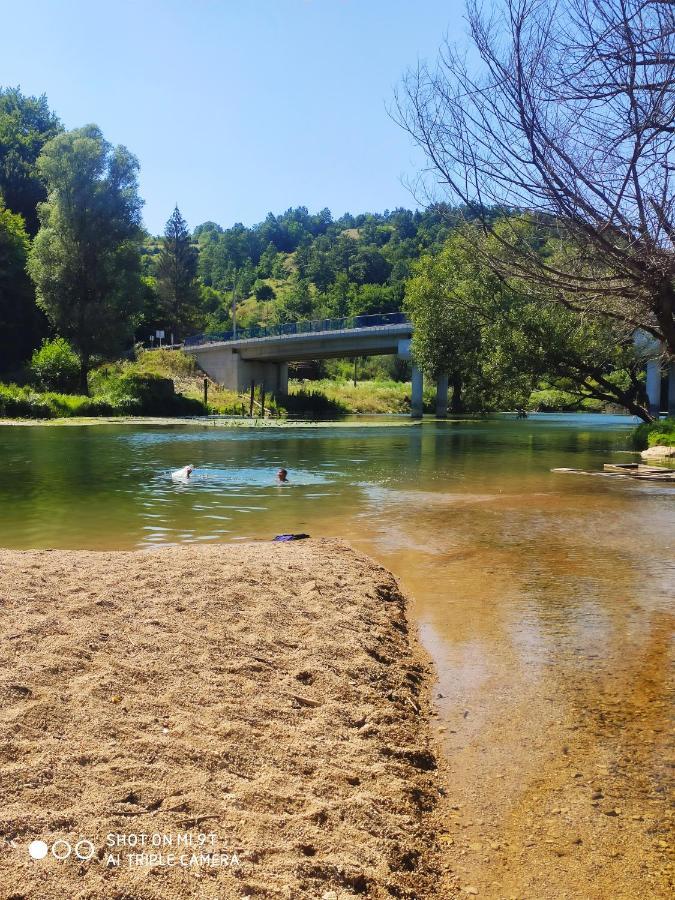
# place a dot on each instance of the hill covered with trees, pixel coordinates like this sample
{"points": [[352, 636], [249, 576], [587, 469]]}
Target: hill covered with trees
{"points": [[299, 265]]}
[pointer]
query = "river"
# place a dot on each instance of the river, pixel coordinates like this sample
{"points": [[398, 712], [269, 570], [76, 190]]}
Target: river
{"points": [[544, 599]]}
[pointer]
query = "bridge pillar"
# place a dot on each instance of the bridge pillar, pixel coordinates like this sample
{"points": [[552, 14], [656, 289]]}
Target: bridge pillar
{"points": [[417, 393], [282, 379], [442, 396], [654, 386], [226, 366]]}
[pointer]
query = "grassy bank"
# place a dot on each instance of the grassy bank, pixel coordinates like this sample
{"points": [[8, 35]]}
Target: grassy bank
{"points": [[169, 383], [366, 397], [655, 434]]}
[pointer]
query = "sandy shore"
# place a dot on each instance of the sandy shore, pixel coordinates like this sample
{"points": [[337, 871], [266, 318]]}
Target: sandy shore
{"points": [[258, 712]]}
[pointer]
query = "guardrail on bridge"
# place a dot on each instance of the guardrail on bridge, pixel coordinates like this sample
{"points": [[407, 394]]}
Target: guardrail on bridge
{"points": [[346, 323]]}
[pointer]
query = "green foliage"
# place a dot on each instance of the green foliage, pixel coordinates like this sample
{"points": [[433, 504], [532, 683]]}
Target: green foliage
{"points": [[85, 261], [20, 321], [26, 124], [547, 399], [368, 397], [55, 365], [168, 363], [137, 393], [26, 403], [654, 434], [176, 272], [498, 339], [320, 267], [263, 291], [313, 403]]}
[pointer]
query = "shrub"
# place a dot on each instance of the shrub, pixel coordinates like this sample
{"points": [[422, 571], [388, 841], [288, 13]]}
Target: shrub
{"points": [[136, 393], [26, 403], [55, 366], [654, 434], [23, 403], [314, 404]]}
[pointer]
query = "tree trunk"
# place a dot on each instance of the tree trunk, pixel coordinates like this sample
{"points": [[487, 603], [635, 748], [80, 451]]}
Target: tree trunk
{"points": [[456, 404], [84, 372]]}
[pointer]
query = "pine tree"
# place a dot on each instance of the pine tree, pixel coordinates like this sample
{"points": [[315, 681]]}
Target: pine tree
{"points": [[176, 272]]}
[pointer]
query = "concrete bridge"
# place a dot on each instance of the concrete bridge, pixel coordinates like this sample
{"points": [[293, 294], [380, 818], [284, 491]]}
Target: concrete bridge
{"points": [[261, 355]]}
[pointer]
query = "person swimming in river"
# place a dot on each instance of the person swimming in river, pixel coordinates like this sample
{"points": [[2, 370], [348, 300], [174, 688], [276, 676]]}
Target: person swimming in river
{"points": [[182, 474], [282, 476]]}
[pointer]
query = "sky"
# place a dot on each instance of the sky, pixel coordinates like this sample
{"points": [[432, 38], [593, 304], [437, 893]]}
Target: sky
{"points": [[236, 108]]}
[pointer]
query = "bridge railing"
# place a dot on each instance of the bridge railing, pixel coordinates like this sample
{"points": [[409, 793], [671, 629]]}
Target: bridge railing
{"points": [[346, 323]]}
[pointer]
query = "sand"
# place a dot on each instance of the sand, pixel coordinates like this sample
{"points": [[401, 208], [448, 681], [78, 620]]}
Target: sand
{"points": [[227, 722]]}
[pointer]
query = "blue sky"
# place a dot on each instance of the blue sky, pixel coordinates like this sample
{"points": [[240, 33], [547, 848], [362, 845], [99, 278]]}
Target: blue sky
{"points": [[236, 107]]}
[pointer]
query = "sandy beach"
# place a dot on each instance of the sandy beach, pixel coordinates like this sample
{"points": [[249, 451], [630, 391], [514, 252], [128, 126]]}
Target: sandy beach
{"points": [[224, 722]]}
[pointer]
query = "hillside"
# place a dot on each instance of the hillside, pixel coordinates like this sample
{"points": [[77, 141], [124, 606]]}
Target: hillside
{"points": [[299, 265]]}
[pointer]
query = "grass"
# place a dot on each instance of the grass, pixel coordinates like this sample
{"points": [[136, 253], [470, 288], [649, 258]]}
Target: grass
{"points": [[27, 403], [367, 397]]}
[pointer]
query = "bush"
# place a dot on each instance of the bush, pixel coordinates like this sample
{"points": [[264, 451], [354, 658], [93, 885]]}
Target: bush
{"points": [[25, 403], [136, 393], [654, 434], [55, 366], [314, 404]]}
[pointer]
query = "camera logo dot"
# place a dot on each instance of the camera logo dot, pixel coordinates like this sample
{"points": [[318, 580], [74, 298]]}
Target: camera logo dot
{"points": [[61, 849], [38, 849]]}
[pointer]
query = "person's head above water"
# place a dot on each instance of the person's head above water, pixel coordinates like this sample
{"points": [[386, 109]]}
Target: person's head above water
{"points": [[282, 475]]}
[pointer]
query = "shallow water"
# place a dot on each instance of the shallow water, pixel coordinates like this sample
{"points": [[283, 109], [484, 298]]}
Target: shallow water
{"points": [[544, 598]]}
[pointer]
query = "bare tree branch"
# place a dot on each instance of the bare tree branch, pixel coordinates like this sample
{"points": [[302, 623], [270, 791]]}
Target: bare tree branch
{"points": [[570, 116]]}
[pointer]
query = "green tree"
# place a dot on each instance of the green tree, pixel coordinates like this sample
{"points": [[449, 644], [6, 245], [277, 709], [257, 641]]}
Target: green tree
{"points": [[85, 259], [446, 300], [26, 124], [298, 304], [21, 323], [497, 338], [263, 291], [176, 272]]}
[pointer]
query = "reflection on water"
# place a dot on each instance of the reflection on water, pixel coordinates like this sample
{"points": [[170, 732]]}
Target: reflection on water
{"points": [[544, 598]]}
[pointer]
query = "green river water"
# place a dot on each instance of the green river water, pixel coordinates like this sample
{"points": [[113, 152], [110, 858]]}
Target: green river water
{"points": [[538, 595]]}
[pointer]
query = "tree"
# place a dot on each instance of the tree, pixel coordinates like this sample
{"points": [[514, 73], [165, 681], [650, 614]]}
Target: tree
{"points": [[85, 259], [498, 338], [176, 273], [26, 124], [572, 117], [298, 304], [263, 291], [21, 323]]}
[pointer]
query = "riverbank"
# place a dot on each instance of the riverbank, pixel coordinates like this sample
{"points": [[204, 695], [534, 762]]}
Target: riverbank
{"points": [[210, 422], [266, 697]]}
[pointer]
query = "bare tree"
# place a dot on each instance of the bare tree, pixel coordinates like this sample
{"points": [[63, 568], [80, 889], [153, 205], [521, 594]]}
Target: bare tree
{"points": [[571, 116]]}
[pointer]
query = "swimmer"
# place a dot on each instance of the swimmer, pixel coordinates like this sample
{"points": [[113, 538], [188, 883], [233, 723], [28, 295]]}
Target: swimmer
{"points": [[181, 474], [282, 476]]}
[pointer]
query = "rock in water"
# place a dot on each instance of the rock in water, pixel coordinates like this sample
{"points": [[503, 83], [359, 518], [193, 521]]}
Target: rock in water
{"points": [[660, 452]]}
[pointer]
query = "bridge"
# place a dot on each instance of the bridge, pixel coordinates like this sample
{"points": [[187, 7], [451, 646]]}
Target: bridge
{"points": [[260, 355]]}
